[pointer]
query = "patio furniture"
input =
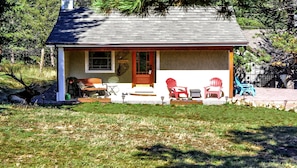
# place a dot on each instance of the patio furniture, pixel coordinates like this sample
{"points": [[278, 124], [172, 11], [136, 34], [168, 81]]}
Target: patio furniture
{"points": [[112, 89], [241, 88], [72, 87], [174, 90], [195, 93], [89, 85], [214, 88]]}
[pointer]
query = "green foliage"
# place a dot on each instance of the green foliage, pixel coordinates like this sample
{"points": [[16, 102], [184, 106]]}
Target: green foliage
{"points": [[264, 13], [5, 5], [248, 23], [243, 59], [284, 41], [27, 25], [263, 56], [36, 58], [250, 13], [146, 7]]}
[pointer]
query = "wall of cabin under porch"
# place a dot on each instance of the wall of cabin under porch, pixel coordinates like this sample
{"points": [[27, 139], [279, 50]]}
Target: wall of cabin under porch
{"points": [[193, 69]]}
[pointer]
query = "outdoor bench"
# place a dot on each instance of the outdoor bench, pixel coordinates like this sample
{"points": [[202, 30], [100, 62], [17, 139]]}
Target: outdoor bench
{"points": [[88, 85]]}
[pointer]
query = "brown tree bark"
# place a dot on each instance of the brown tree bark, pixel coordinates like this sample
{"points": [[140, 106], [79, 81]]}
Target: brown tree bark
{"points": [[52, 57], [12, 58], [41, 60]]}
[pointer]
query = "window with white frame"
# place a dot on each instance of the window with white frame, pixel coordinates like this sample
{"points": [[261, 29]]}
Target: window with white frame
{"points": [[100, 62]]}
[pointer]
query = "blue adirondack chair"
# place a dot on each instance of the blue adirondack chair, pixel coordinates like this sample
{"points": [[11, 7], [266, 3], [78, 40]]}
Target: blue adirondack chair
{"points": [[241, 88]]}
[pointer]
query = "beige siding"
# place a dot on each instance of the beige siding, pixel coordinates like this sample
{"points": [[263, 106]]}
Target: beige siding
{"points": [[67, 64], [75, 66], [124, 55], [169, 60], [194, 60]]}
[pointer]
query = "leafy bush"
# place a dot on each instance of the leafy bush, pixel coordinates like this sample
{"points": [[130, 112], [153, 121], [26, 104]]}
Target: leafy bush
{"points": [[247, 23]]}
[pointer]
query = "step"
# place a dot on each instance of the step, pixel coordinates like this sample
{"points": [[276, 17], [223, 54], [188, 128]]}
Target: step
{"points": [[142, 85], [142, 91]]}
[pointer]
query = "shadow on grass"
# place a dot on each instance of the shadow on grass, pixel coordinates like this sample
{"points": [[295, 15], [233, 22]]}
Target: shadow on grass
{"points": [[3, 111], [278, 146]]}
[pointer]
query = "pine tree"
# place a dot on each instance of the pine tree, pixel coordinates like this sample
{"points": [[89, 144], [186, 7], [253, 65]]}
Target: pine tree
{"points": [[27, 26]]}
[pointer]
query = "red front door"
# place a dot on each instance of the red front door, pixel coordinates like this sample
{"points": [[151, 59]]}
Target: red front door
{"points": [[143, 67]]}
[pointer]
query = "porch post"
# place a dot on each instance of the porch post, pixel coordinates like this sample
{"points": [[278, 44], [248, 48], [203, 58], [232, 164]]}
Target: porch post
{"points": [[158, 60], [231, 73], [61, 75]]}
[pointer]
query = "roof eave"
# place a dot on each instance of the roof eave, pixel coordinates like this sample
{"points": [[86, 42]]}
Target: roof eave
{"points": [[143, 45]]}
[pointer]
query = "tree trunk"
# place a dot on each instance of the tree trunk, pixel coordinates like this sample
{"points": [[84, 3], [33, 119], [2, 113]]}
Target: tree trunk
{"points": [[12, 57], [41, 60], [52, 56]]}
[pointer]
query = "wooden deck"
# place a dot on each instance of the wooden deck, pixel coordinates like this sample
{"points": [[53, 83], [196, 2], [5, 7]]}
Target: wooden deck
{"points": [[89, 99], [185, 102]]}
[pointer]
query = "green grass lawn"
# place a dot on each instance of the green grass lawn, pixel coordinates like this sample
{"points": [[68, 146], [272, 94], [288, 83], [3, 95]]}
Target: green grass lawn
{"points": [[125, 135], [29, 73]]}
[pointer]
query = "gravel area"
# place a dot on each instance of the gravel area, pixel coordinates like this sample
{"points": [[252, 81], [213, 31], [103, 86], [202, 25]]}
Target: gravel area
{"points": [[287, 97], [272, 94]]}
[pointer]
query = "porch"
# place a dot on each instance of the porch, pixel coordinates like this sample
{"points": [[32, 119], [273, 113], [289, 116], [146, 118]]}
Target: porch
{"points": [[149, 96]]}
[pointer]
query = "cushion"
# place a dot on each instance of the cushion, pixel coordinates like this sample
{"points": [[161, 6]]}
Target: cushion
{"points": [[99, 85], [214, 88], [81, 85], [177, 88]]}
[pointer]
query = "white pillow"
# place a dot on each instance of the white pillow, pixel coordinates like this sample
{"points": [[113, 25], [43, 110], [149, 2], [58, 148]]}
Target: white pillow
{"points": [[99, 85], [179, 88], [214, 88]]}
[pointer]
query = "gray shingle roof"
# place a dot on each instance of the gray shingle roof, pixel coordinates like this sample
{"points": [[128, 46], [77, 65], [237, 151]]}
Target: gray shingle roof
{"points": [[195, 27]]}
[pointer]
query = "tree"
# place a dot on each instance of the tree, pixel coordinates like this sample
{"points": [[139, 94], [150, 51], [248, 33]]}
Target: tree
{"points": [[273, 14], [4, 6], [27, 26], [46, 12], [283, 47], [159, 7]]}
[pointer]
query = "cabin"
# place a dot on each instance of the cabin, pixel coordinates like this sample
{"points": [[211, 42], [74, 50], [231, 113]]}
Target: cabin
{"points": [[130, 52]]}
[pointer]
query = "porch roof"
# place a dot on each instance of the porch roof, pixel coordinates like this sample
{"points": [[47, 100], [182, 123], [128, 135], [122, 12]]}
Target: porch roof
{"points": [[83, 27]]}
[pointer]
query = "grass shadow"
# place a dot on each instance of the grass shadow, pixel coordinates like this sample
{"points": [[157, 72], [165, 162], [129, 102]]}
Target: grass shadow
{"points": [[2, 109], [278, 147], [6, 111]]}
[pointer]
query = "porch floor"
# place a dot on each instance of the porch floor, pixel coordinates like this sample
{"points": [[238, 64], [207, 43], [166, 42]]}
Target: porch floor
{"points": [[147, 95], [138, 99], [263, 95]]}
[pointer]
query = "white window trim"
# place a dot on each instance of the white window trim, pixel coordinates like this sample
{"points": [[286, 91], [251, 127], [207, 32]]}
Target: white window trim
{"points": [[100, 71]]}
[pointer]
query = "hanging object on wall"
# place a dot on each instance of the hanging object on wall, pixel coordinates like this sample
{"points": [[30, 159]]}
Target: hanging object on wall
{"points": [[123, 67], [123, 64]]}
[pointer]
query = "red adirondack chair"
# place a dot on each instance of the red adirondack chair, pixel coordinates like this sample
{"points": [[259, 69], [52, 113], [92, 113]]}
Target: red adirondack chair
{"points": [[215, 87], [174, 90]]}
